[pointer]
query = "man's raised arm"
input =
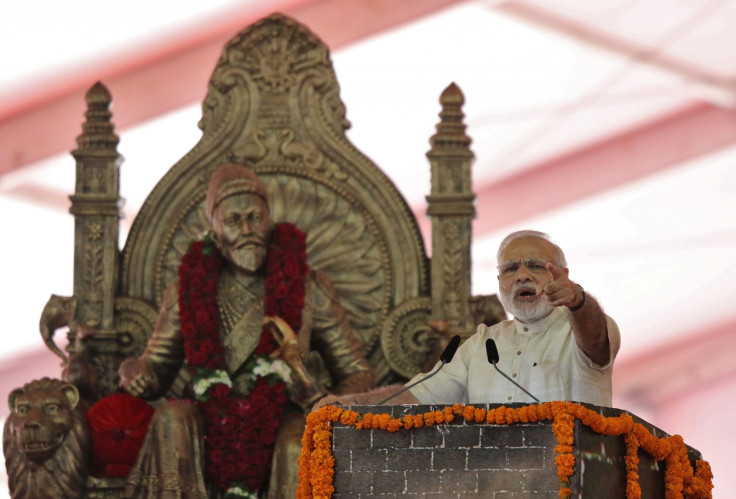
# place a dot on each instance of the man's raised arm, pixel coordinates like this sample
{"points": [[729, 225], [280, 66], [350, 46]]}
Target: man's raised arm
{"points": [[586, 316]]}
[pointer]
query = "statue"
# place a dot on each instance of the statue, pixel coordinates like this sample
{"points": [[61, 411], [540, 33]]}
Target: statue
{"points": [[46, 441], [57, 313], [263, 336]]}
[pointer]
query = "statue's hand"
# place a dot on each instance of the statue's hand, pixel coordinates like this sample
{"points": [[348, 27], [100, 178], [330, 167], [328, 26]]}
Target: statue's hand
{"points": [[288, 351], [304, 389], [138, 378]]}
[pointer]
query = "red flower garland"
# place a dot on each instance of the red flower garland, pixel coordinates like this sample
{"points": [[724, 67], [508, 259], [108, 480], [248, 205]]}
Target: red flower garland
{"points": [[240, 431]]}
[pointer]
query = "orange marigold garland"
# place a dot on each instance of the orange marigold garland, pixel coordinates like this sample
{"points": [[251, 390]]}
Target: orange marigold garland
{"points": [[702, 483], [563, 427], [674, 475], [633, 489], [316, 463]]}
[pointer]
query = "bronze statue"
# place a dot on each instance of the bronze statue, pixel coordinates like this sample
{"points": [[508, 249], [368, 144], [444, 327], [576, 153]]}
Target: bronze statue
{"points": [[77, 367], [46, 441], [287, 123], [57, 313], [245, 306]]}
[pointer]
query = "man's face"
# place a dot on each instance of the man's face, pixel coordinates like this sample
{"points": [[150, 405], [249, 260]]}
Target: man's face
{"points": [[243, 224], [522, 272]]}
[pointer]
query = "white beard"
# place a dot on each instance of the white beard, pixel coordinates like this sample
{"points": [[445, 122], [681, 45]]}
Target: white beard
{"points": [[249, 258], [523, 311]]}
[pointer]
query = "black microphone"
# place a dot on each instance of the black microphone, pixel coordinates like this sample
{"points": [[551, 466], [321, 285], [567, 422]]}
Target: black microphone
{"points": [[445, 357], [449, 352], [492, 353]]}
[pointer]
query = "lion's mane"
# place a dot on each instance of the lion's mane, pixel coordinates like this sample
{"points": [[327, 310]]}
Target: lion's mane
{"points": [[64, 474]]}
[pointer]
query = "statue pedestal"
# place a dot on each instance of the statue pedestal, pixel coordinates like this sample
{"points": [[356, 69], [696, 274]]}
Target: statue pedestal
{"points": [[464, 457]]}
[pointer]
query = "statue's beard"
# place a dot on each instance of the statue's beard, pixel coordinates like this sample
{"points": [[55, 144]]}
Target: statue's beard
{"points": [[247, 257], [525, 311]]}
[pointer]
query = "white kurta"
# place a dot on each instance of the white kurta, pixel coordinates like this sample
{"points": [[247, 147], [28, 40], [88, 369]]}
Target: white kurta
{"points": [[543, 357]]}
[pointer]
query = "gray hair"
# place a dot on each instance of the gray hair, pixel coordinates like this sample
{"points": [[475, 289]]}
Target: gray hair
{"points": [[519, 234]]}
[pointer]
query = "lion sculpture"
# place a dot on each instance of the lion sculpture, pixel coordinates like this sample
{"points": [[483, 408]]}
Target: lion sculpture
{"points": [[46, 441]]}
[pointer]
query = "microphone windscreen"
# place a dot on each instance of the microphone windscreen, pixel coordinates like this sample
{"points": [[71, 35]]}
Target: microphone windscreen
{"points": [[449, 352], [491, 351]]}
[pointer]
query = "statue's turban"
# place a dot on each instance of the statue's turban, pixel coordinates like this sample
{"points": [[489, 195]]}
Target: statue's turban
{"points": [[229, 180]]}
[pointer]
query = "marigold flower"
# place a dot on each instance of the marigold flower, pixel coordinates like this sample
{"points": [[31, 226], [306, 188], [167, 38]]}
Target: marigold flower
{"points": [[395, 425], [408, 422], [449, 415], [349, 418], [469, 413], [480, 415]]}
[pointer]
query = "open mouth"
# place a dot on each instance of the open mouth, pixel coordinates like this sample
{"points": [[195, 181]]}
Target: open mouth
{"points": [[41, 446], [525, 295]]}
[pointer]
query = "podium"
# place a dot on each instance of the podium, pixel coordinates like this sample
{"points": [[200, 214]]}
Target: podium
{"points": [[553, 449]]}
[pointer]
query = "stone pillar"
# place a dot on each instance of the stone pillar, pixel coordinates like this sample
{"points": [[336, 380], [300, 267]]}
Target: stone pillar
{"points": [[451, 208], [96, 206]]}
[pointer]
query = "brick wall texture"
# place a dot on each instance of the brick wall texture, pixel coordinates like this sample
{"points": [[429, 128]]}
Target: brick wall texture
{"points": [[450, 460], [460, 460]]}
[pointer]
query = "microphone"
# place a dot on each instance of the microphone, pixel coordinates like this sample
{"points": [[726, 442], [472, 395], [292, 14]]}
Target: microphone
{"points": [[492, 353], [449, 352], [445, 357]]}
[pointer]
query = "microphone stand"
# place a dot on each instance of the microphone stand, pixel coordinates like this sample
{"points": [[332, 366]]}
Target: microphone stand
{"points": [[412, 385], [514, 382]]}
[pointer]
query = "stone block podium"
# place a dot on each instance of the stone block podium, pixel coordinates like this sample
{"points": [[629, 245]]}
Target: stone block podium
{"points": [[465, 458]]}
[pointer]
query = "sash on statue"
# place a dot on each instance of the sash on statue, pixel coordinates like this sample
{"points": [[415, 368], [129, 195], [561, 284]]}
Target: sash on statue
{"points": [[242, 339]]}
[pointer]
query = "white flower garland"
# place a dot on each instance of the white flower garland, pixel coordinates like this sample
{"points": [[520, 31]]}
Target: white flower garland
{"points": [[203, 383], [240, 492], [266, 366], [262, 366]]}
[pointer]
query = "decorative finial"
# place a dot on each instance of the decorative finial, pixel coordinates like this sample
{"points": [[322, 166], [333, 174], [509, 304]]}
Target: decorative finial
{"points": [[451, 129], [98, 130]]}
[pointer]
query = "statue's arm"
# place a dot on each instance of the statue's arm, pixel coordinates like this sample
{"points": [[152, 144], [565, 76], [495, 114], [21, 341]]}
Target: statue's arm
{"points": [[151, 374], [335, 340]]}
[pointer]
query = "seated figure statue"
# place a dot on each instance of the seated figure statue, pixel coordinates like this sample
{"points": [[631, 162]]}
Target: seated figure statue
{"points": [[263, 336]]}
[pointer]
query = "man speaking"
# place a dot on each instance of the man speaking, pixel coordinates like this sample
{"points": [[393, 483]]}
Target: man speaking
{"points": [[559, 346]]}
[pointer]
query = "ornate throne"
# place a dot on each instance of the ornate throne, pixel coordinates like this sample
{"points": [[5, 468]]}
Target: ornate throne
{"points": [[273, 105]]}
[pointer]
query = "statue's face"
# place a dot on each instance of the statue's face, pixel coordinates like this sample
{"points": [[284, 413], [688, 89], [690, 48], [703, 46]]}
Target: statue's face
{"points": [[243, 224]]}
